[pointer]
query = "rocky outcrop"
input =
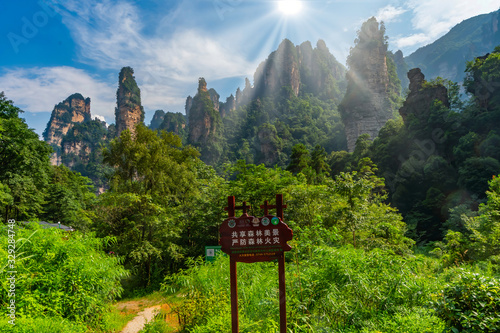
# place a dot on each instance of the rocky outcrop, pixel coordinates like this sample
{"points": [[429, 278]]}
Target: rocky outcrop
{"points": [[281, 69], [205, 125], [189, 104], [81, 149], [366, 106], [292, 69], [227, 107], [73, 110], [214, 97], [268, 144], [321, 74], [157, 119], [175, 123], [421, 97], [129, 111], [401, 68]]}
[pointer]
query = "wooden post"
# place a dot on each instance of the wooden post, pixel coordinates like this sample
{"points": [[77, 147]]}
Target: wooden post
{"points": [[281, 269], [230, 206], [282, 293], [234, 296]]}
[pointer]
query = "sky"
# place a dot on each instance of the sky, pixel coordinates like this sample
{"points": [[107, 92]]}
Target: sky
{"points": [[50, 49]]}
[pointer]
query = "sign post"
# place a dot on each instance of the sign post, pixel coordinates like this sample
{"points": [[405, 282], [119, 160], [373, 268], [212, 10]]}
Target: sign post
{"points": [[252, 239]]}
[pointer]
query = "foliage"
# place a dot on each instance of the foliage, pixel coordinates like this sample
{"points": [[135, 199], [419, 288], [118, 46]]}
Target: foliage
{"points": [[483, 79], [334, 289], [206, 129], [157, 325], [24, 165], [62, 275], [303, 119], [479, 239], [42, 325], [153, 179], [471, 303], [69, 198], [256, 183]]}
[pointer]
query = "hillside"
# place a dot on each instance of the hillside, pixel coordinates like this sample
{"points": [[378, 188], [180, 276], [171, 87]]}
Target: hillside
{"points": [[447, 56]]}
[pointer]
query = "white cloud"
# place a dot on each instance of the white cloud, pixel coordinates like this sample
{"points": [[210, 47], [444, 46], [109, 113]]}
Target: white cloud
{"points": [[432, 19], [415, 39], [167, 62], [389, 13], [110, 35], [39, 89]]}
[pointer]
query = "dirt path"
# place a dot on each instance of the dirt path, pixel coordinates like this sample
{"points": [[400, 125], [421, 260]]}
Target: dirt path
{"points": [[137, 324], [145, 312]]}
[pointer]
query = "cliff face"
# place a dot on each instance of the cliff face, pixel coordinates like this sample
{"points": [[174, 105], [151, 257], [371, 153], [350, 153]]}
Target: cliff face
{"points": [[129, 111], [321, 74], [81, 149], [300, 68], [73, 110], [366, 107], [157, 119], [205, 125], [421, 97], [175, 123], [280, 69], [227, 107]]}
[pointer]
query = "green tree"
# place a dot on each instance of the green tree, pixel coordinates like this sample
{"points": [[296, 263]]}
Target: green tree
{"points": [[485, 228], [482, 79], [319, 164], [154, 176], [24, 164], [299, 160], [69, 198]]}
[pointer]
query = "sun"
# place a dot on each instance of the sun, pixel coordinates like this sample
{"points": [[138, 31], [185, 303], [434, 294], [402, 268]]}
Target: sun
{"points": [[289, 7]]}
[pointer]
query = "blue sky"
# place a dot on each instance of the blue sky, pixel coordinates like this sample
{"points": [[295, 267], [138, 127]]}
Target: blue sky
{"points": [[50, 49]]}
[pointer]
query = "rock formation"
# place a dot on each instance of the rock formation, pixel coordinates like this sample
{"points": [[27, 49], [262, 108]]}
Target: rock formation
{"points": [[129, 111], [73, 110], [189, 103], [297, 68], [366, 106], [175, 123], [81, 149], [214, 97], [421, 97], [227, 107], [205, 125], [157, 119], [321, 74], [281, 69]]}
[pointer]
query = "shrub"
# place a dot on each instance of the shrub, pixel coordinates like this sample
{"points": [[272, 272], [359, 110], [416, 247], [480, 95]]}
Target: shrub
{"points": [[62, 275], [470, 304]]}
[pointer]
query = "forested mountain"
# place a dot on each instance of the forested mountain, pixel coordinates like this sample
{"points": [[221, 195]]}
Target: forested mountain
{"points": [[447, 56]]}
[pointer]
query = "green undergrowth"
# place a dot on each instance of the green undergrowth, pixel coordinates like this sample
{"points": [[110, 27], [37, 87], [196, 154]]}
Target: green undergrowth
{"points": [[329, 289]]}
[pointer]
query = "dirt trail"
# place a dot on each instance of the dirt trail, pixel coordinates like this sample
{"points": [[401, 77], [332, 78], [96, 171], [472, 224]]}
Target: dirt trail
{"points": [[145, 315], [137, 324]]}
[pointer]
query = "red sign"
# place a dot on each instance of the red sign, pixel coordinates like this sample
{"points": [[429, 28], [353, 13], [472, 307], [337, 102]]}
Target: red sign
{"points": [[252, 239]]}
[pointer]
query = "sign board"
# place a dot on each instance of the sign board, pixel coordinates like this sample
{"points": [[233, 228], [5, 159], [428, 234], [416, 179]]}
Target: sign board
{"points": [[211, 252], [252, 239]]}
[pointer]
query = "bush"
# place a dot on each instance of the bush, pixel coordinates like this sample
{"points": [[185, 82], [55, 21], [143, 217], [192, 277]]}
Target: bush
{"points": [[61, 275], [42, 325], [470, 304], [328, 289]]}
